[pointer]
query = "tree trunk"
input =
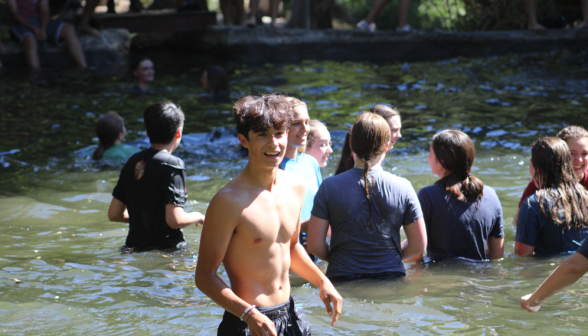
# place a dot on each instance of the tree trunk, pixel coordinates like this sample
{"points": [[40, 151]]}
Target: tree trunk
{"points": [[320, 14]]}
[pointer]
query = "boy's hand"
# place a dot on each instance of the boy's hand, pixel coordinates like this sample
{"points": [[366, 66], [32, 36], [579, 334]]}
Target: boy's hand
{"points": [[200, 220], [329, 295], [530, 305], [260, 325], [40, 34]]}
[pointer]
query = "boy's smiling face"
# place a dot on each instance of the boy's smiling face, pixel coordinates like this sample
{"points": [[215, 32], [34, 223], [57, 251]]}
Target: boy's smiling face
{"points": [[267, 147]]}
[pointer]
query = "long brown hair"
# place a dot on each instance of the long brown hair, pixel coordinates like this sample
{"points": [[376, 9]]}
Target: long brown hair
{"points": [[554, 174], [455, 152], [369, 136], [108, 129], [346, 162]]}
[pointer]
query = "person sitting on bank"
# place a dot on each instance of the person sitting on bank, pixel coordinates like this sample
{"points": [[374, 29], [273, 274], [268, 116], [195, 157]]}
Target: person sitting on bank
{"points": [[366, 207], [392, 117], [143, 71], [151, 191], [554, 219], [30, 22], [111, 132], [252, 226], [462, 215], [576, 138], [215, 82], [318, 142]]}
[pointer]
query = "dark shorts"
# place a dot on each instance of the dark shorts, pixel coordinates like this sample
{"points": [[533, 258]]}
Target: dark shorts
{"points": [[53, 30], [289, 321]]}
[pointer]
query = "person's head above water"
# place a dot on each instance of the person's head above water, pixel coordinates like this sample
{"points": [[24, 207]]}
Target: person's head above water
{"points": [[143, 70], [110, 130], [318, 142], [576, 138], [163, 122], [299, 128], [392, 117], [215, 80], [262, 125], [553, 174], [451, 157]]}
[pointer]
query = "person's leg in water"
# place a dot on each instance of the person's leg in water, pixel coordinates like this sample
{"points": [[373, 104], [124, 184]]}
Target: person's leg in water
{"points": [[29, 43], [84, 24], [68, 34], [531, 7], [584, 23], [253, 5]]}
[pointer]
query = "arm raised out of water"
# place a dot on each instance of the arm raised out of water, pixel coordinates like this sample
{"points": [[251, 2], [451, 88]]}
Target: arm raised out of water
{"points": [[177, 218], [416, 240], [564, 275], [303, 266]]}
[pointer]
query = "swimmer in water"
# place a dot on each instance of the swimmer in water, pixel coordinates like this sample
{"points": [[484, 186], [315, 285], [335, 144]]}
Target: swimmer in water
{"points": [[252, 227], [111, 132], [318, 142], [144, 72], [215, 81]]}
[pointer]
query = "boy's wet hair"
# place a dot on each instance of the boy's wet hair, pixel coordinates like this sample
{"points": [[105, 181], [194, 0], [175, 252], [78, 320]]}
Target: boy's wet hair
{"points": [[162, 122], [260, 113], [108, 129]]}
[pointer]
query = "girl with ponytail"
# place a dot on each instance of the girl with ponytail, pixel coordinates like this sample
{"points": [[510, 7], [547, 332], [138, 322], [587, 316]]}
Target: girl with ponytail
{"points": [[462, 215], [111, 131], [366, 207]]}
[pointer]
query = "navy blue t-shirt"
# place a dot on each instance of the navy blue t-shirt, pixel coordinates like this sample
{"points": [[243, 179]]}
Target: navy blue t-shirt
{"points": [[539, 230], [457, 229], [583, 250], [149, 181]]}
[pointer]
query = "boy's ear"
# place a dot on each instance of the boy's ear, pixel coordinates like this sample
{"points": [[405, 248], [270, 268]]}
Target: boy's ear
{"points": [[243, 140], [179, 134]]}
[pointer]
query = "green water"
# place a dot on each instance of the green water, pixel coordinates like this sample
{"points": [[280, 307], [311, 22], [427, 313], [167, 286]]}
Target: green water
{"points": [[57, 241]]}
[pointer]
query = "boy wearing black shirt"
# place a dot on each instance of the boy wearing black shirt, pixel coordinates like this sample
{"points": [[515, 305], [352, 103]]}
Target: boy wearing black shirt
{"points": [[151, 190]]}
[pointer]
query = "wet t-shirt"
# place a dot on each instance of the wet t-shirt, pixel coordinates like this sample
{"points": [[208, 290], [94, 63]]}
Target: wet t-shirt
{"points": [[457, 229], [120, 152], [149, 181], [308, 169], [356, 247], [540, 231]]}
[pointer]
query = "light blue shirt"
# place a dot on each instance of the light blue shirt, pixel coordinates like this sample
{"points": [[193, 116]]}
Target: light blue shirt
{"points": [[308, 168]]}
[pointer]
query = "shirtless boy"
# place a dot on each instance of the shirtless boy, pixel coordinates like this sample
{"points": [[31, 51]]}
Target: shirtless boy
{"points": [[252, 226]]}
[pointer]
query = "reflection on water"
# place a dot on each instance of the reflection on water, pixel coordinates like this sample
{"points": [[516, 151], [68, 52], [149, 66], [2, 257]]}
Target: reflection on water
{"points": [[61, 261]]}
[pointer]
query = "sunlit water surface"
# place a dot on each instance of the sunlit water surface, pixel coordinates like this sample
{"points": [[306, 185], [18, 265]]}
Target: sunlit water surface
{"points": [[61, 272]]}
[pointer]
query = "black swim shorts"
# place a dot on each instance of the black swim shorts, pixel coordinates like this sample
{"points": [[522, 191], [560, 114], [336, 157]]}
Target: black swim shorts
{"points": [[289, 321]]}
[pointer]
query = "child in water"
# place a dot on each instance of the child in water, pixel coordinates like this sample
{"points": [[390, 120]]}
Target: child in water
{"points": [[462, 215], [366, 207], [553, 219], [318, 142], [111, 132], [144, 72], [215, 81]]}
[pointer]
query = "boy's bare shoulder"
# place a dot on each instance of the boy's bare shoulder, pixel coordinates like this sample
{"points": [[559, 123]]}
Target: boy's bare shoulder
{"points": [[294, 181]]}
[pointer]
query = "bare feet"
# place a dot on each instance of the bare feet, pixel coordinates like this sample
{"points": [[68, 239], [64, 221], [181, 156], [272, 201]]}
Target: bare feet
{"points": [[86, 29], [582, 25], [536, 26]]}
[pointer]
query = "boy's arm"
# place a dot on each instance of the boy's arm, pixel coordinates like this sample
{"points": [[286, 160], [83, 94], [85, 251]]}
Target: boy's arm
{"points": [[303, 266], [566, 274], [117, 212], [177, 218], [222, 217], [416, 240]]}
